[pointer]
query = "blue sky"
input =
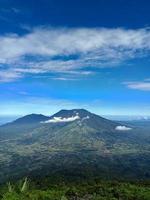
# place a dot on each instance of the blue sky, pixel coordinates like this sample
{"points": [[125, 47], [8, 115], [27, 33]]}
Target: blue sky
{"points": [[62, 54]]}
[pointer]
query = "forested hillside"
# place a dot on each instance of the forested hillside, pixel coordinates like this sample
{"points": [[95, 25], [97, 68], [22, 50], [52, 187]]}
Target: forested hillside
{"points": [[95, 190]]}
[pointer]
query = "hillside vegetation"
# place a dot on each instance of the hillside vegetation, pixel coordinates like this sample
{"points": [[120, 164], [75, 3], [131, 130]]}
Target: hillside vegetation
{"points": [[98, 190], [74, 144]]}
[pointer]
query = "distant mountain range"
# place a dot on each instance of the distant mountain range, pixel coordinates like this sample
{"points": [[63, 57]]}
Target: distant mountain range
{"points": [[79, 117], [73, 143], [10, 118]]}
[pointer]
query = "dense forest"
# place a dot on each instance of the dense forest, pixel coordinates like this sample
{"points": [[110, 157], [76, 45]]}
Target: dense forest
{"points": [[43, 189], [88, 158]]}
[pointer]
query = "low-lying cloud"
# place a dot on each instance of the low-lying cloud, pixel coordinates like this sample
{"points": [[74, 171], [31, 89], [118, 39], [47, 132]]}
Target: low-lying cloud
{"points": [[60, 119], [123, 128]]}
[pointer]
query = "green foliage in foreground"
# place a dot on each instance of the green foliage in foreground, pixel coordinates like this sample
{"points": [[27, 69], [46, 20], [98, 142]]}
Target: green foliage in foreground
{"points": [[27, 190]]}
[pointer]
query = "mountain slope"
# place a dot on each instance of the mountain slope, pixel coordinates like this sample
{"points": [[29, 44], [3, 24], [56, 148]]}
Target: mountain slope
{"points": [[75, 130], [28, 123], [91, 119], [21, 126], [73, 143], [76, 124], [32, 118]]}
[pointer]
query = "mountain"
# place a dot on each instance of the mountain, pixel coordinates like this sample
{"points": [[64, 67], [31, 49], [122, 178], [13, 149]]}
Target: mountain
{"points": [[91, 119], [28, 119], [73, 143], [21, 126], [75, 129], [29, 123]]}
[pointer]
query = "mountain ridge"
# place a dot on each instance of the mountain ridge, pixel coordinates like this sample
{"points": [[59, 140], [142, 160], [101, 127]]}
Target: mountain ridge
{"points": [[32, 121], [37, 118], [72, 141]]}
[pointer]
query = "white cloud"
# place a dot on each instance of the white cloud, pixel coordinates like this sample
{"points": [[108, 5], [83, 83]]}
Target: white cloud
{"points": [[84, 118], [42, 50], [123, 128], [64, 79], [60, 119], [143, 85], [7, 76]]}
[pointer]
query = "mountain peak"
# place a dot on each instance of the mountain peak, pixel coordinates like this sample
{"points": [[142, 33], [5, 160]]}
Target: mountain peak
{"points": [[68, 116], [72, 113], [75, 109], [31, 118]]}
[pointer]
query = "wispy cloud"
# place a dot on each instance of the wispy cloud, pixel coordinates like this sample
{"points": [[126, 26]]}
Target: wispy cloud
{"points": [[141, 85], [64, 50], [7, 13], [64, 79], [10, 10], [7, 76]]}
